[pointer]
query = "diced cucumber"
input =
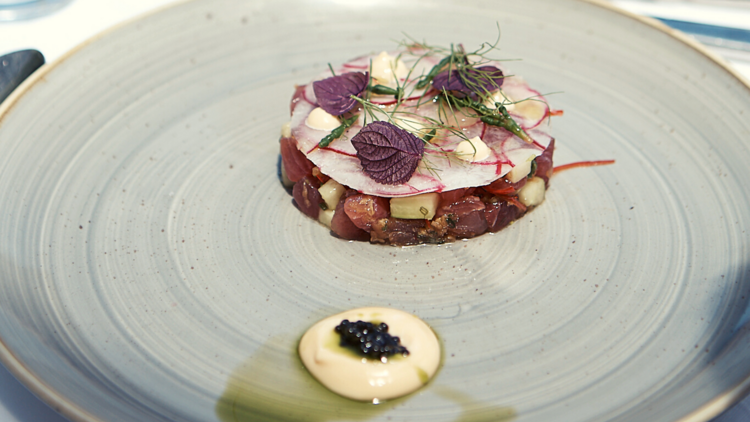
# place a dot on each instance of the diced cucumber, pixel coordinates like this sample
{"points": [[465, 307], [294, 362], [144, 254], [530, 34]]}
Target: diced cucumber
{"points": [[521, 170], [417, 207], [331, 192], [532, 193], [325, 217]]}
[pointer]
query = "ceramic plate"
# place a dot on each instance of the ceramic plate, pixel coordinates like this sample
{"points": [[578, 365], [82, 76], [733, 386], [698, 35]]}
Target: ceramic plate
{"points": [[153, 268]]}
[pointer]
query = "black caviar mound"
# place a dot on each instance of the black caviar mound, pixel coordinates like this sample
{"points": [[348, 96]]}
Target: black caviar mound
{"points": [[370, 340]]}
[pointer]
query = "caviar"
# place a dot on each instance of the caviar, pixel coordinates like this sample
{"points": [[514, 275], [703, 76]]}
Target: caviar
{"points": [[370, 340]]}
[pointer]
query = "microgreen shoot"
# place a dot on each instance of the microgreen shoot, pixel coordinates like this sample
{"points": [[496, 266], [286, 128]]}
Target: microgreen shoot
{"points": [[337, 132], [397, 93], [426, 79], [461, 85], [497, 117]]}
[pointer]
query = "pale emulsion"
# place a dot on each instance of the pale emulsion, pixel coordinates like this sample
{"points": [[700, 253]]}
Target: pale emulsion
{"points": [[321, 120], [345, 372], [472, 150], [388, 70]]}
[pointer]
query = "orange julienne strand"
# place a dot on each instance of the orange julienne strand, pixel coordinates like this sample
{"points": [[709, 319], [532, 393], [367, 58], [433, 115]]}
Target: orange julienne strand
{"points": [[581, 164]]}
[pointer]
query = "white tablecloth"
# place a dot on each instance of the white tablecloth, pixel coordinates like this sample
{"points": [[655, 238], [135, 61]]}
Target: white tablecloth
{"points": [[54, 35]]}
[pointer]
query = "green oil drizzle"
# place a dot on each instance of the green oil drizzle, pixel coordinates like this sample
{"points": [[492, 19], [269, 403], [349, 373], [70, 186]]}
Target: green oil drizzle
{"points": [[473, 410], [333, 343], [273, 386], [422, 374]]}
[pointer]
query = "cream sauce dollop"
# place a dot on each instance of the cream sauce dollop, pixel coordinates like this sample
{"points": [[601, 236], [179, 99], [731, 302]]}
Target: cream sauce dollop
{"points": [[347, 373]]}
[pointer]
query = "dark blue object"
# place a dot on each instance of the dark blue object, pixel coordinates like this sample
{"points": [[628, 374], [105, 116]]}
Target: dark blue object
{"points": [[15, 67], [734, 34]]}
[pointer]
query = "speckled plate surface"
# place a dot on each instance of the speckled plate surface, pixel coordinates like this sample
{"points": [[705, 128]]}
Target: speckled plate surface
{"points": [[152, 267]]}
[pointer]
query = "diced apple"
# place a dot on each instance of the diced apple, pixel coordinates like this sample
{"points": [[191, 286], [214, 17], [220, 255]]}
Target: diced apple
{"points": [[417, 207], [286, 130], [532, 193], [331, 192], [521, 170], [326, 216]]}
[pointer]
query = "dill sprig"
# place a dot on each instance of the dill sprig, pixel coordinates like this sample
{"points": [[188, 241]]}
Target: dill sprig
{"points": [[426, 79], [425, 127], [474, 69], [456, 57], [493, 117], [480, 80]]}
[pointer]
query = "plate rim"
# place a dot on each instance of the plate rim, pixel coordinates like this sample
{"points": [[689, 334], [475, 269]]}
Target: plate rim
{"points": [[36, 385]]}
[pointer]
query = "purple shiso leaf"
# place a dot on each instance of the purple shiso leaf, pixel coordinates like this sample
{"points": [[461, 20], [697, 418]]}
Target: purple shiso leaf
{"points": [[335, 93], [388, 154], [484, 78]]}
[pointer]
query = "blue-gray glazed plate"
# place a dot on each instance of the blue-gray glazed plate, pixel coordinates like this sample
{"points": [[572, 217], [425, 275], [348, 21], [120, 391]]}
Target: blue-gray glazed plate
{"points": [[153, 268]]}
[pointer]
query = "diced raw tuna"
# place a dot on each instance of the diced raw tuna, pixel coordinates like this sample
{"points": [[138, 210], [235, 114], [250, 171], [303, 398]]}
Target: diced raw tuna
{"points": [[363, 210], [343, 226], [500, 214], [307, 196], [544, 163], [294, 161], [465, 217]]}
